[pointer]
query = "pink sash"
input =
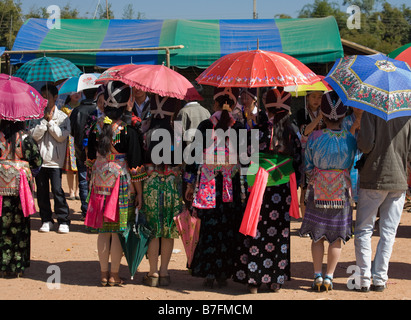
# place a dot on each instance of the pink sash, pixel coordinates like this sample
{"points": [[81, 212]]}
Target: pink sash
{"points": [[26, 197], [103, 207]]}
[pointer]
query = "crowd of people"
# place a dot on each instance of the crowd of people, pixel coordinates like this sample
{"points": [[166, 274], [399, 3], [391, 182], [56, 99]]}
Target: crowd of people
{"points": [[338, 158]]}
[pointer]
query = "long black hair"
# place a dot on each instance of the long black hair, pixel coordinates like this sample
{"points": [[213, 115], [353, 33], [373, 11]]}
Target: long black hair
{"points": [[10, 130], [114, 111], [225, 119], [282, 131]]}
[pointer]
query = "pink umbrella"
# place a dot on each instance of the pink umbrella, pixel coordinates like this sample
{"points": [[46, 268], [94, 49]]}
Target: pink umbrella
{"points": [[156, 79], [19, 101], [189, 228]]}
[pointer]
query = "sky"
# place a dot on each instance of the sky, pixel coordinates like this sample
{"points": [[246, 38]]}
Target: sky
{"points": [[190, 9]]}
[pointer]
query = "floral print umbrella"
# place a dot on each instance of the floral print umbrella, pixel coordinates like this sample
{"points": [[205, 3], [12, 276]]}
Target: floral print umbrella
{"points": [[374, 83]]}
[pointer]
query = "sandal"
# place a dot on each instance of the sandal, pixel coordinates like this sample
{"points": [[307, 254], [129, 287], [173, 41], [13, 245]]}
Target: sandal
{"points": [[104, 278], [117, 280], [164, 281], [150, 281]]}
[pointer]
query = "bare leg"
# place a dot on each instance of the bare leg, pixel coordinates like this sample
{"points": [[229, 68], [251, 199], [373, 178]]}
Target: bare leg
{"points": [[70, 182], [167, 246], [152, 254], [317, 251], [103, 248], [334, 253], [116, 252]]}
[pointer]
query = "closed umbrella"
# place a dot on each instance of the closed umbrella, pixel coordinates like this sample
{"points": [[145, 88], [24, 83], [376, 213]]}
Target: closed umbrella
{"points": [[189, 229]]}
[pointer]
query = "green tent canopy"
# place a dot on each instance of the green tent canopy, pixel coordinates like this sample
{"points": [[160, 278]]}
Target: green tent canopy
{"points": [[309, 40]]}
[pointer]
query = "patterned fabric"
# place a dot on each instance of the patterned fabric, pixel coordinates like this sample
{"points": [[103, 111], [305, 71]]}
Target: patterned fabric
{"points": [[205, 196], [47, 69], [162, 200], [330, 187], [215, 251], [14, 227], [265, 259], [328, 223], [70, 163]]}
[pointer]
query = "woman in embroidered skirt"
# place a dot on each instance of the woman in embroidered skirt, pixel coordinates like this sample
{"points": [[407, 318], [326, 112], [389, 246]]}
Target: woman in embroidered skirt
{"points": [[329, 156], [216, 189], [19, 154], [265, 258], [115, 157], [162, 197]]}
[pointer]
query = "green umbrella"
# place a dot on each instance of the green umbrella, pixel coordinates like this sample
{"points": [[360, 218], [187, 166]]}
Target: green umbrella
{"points": [[47, 69], [135, 242]]}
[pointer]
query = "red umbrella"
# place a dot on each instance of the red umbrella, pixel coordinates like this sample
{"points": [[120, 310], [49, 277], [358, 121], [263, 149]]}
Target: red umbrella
{"points": [[189, 228], [19, 101], [156, 79], [257, 68], [403, 54]]}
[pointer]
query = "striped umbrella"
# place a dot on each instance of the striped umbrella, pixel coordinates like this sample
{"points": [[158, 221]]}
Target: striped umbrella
{"points": [[47, 69]]}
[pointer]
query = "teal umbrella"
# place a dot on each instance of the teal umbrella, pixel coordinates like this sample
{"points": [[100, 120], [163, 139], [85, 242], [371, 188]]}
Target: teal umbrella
{"points": [[47, 69], [135, 242]]}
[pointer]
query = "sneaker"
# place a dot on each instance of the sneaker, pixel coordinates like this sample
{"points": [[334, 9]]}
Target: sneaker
{"points": [[63, 228], [46, 227]]}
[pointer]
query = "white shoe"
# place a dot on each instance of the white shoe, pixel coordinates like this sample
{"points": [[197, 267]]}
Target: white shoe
{"points": [[46, 227], [63, 228]]}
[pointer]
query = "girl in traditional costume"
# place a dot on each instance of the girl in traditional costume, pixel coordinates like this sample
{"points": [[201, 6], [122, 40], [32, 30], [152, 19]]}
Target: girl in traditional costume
{"points": [[162, 195], [329, 156], [264, 250], [115, 157], [217, 191], [19, 155]]}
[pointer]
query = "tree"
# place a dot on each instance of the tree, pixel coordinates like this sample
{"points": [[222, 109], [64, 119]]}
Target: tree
{"points": [[129, 13], [10, 22], [102, 12]]}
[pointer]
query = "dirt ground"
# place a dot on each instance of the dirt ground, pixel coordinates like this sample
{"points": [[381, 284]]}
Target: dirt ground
{"points": [[75, 255]]}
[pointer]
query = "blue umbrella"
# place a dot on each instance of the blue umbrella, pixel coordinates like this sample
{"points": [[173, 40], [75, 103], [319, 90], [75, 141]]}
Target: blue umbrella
{"points": [[374, 83]]}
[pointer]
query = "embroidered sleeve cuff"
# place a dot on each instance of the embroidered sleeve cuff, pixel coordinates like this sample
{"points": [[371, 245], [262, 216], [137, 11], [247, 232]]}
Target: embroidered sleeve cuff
{"points": [[89, 163], [138, 174]]}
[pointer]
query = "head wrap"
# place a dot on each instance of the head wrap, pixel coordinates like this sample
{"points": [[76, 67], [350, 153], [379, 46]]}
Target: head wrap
{"points": [[252, 92], [116, 94], [278, 98], [332, 106], [162, 106], [231, 92]]}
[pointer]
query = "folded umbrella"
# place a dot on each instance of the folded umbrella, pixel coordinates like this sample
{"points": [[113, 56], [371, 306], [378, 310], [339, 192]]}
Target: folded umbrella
{"points": [[189, 228]]}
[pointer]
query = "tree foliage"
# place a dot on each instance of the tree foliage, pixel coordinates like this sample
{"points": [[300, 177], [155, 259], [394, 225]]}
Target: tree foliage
{"points": [[383, 30]]}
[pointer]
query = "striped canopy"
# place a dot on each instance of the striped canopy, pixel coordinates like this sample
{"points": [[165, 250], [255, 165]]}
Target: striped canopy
{"points": [[204, 41]]}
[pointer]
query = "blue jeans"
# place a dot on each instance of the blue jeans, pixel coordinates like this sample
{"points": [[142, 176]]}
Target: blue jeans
{"points": [[83, 186], [390, 205]]}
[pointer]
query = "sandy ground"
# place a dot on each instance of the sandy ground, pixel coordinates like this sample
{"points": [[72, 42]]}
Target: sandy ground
{"points": [[74, 255]]}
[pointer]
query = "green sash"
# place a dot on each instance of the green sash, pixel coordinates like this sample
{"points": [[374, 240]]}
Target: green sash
{"points": [[278, 166]]}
